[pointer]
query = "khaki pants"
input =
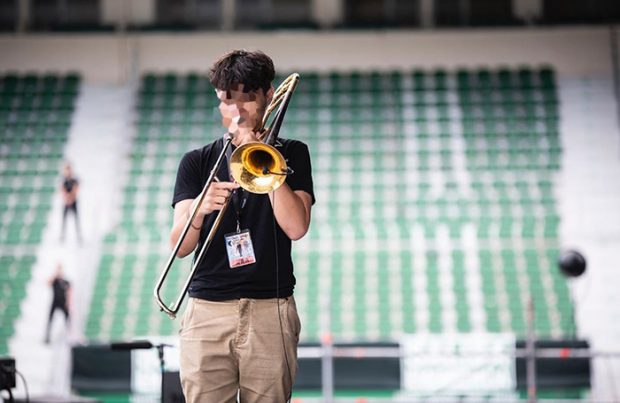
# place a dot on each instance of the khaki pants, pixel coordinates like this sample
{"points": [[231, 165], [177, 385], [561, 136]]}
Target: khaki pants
{"points": [[239, 346]]}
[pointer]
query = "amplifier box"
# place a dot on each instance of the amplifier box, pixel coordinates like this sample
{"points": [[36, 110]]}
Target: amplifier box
{"points": [[7, 373]]}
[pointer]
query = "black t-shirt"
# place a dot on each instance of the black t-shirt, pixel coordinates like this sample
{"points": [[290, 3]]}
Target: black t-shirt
{"points": [[68, 183], [215, 280], [60, 286]]}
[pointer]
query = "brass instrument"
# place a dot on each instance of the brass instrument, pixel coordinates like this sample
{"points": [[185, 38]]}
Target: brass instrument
{"points": [[256, 166]]}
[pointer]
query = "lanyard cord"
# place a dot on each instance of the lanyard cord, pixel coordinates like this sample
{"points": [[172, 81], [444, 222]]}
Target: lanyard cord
{"points": [[239, 200]]}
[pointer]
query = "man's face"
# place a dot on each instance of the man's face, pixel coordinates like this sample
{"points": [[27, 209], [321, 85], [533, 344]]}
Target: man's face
{"points": [[241, 111]]}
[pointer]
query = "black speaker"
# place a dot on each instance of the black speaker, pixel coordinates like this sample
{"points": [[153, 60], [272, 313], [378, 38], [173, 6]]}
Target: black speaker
{"points": [[560, 372], [7, 373], [95, 368], [350, 373], [572, 263]]}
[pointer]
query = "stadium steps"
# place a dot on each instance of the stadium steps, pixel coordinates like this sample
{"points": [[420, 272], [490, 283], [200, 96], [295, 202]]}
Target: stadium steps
{"points": [[95, 148]]}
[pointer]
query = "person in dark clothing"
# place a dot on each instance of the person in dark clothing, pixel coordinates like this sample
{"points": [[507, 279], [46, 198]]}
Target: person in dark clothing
{"points": [[240, 330], [61, 299], [69, 191]]}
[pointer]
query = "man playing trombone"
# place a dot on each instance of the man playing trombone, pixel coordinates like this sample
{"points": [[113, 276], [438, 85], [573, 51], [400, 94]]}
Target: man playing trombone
{"points": [[240, 330]]}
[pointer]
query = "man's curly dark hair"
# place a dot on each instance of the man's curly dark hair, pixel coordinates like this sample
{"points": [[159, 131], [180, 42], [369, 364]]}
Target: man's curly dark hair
{"points": [[252, 69]]}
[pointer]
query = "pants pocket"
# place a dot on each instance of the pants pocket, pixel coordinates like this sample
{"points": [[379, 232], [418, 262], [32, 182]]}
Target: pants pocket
{"points": [[186, 315], [293, 318]]}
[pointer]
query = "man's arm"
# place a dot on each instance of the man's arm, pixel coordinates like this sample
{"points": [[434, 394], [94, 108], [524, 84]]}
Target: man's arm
{"points": [[181, 215], [69, 197], [292, 210], [214, 200], [69, 298], [187, 185], [75, 190], [64, 194]]}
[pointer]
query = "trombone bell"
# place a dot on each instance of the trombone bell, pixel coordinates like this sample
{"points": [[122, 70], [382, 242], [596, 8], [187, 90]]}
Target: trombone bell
{"points": [[258, 167]]}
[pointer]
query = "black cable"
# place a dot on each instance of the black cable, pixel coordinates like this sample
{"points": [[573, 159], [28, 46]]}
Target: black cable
{"points": [[275, 239], [25, 385]]}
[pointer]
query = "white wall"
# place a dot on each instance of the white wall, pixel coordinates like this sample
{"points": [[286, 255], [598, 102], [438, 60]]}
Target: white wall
{"points": [[97, 57], [105, 58]]}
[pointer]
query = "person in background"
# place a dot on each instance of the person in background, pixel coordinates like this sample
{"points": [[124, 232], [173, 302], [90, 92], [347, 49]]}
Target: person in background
{"points": [[69, 191], [61, 289]]}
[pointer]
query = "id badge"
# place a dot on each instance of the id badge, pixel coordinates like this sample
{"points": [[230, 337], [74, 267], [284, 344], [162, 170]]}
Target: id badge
{"points": [[239, 248]]}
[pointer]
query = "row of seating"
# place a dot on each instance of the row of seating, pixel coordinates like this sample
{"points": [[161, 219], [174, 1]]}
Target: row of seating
{"points": [[436, 81], [353, 117], [24, 84], [420, 101], [123, 282]]}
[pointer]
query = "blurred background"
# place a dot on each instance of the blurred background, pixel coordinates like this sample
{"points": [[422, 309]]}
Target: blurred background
{"points": [[461, 150]]}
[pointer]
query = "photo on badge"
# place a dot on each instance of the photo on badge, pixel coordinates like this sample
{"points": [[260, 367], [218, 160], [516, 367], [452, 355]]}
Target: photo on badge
{"points": [[239, 249]]}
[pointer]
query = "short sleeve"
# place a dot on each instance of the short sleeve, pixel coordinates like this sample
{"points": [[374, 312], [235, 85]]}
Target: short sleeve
{"points": [[189, 179], [299, 163]]}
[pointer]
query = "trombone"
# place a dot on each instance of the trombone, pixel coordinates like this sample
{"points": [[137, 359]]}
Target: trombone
{"points": [[256, 166]]}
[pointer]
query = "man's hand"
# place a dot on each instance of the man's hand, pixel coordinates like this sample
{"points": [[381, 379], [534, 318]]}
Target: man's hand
{"points": [[216, 197]]}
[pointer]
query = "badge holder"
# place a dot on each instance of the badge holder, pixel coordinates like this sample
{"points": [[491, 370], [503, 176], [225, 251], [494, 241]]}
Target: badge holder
{"points": [[239, 248]]}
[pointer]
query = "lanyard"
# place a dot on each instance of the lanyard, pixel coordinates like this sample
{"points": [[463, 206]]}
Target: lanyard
{"points": [[239, 198], [240, 195]]}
